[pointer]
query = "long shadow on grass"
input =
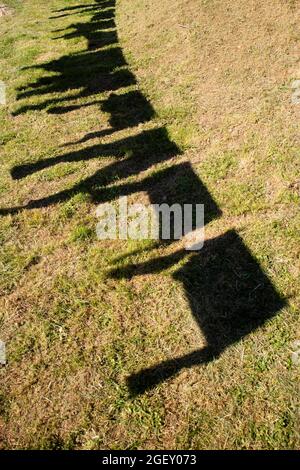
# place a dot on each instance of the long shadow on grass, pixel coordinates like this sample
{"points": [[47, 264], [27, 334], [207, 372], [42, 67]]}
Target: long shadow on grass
{"points": [[229, 294]]}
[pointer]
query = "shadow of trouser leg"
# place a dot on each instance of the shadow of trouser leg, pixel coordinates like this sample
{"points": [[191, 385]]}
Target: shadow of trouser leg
{"points": [[149, 378]]}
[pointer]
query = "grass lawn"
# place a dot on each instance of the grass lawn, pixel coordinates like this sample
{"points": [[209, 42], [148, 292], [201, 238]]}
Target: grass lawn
{"points": [[126, 344]]}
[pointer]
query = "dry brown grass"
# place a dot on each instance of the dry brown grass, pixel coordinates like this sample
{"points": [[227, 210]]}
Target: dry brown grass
{"points": [[218, 74]]}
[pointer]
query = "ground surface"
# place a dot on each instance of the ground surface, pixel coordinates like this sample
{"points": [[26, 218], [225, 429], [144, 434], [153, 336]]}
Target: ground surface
{"points": [[127, 344]]}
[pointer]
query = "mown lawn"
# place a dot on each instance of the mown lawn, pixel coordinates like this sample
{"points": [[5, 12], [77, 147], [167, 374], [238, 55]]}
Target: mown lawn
{"points": [[131, 344]]}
